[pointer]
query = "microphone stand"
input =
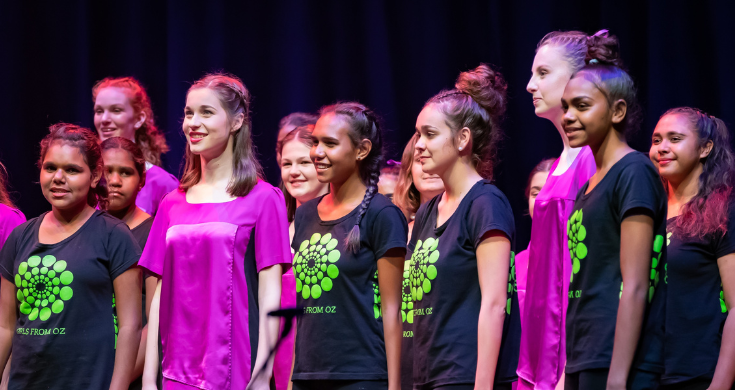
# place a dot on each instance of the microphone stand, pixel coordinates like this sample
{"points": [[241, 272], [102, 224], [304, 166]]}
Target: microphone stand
{"points": [[288, 315]]}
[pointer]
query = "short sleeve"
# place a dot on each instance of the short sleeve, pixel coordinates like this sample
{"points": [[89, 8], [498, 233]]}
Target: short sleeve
{"points": [[490, 211], [389, 230], [8, 253], [272, 244], [9, 220], [639, 186], [154, 252], [726, 244], [122, 250]]}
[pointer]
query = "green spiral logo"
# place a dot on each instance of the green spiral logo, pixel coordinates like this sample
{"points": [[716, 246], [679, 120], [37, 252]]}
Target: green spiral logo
{"points": [[314, 265], [658, 245], [377, 309], [406, 297], [43, 286], [576, 233], [423, 270], [512, 283]]}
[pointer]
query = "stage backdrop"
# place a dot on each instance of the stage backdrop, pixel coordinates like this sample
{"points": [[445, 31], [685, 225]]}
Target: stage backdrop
{"points": [[300, 55]]}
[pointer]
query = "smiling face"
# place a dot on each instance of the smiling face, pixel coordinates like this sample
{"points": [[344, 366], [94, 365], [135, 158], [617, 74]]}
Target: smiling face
{"points": [[435, 144], [334, 154], [588, 117], [123, 180], [65, 177], [114, 116], [298, 173], [676, 149], [550, 73], [207, 127], [427, 184], [537, 183]]}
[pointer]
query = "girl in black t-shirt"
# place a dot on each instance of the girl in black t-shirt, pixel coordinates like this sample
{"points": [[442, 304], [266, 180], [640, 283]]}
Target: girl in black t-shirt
{"points": [[614, 320], [124, 175], [60, 275], [349, 248], [466, 320], [691, 150]]}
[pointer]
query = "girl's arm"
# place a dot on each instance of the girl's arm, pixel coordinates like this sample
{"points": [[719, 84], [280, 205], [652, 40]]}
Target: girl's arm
{"points": [[8, 318], [127, 288], [390, 279], [269, 299], [725, 370], [493, 266], [150, 368], [150, 285], [636, 243]]}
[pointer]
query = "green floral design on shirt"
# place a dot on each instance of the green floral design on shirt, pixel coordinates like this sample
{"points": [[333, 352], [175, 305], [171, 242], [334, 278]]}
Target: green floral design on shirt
{"points": [[43, 287], [377, 309], [658, 246], [723, 303], [576, 233], [114, 319], [315, 266], [512, 285], [406, 296], [423, 270]]}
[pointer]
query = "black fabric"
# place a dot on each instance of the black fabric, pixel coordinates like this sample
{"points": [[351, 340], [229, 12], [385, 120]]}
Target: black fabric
{"points": [[72, 344], [695, 304], [407, 340], [632, 185], [596, 379], [445, 290], [141, 232], [340, 335], [693, 384], [340, 385]]}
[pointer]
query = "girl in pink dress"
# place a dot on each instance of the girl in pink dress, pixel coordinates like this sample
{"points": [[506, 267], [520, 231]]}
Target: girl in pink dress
{"points": [[219, 244], [542, 357]]}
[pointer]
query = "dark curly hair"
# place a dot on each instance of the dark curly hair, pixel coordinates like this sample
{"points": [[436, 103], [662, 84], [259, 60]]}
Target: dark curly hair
{"points": [[477, 102], [87, 142], [363, 124], [707, 212], [151, 141]]}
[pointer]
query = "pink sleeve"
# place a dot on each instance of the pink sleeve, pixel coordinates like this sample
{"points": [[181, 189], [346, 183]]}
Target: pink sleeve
{"points": [[154, 252], [585, 168], [271, 231], [9, 219]]}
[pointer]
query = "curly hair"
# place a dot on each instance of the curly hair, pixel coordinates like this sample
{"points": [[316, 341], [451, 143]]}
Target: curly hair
{"points": [[151, 141], [707, 212]]}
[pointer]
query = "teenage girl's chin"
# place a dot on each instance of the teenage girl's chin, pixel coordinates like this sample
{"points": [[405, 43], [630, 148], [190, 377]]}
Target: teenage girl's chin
{"points": [[577, 139]]}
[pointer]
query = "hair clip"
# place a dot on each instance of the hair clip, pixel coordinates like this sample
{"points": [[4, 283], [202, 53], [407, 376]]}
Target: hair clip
{"points": [[593, 61]]}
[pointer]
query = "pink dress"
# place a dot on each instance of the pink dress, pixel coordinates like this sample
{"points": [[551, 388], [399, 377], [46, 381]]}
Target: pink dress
{"points": [[9, 219], [158, 183], [284, 355], [543, 354], [208, 256], [521, 261]]}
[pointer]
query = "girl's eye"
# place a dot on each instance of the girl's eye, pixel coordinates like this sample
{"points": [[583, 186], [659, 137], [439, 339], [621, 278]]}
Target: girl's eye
{"points": [[286, 164], [675, 139], [306, 163], [207, 112], [656, 141]]}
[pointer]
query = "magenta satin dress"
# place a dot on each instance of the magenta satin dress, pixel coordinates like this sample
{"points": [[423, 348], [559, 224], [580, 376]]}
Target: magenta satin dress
{"points": [[208, 256], [9, 219], [283, 361], [543, 353], [158, 183], [521, 260]]}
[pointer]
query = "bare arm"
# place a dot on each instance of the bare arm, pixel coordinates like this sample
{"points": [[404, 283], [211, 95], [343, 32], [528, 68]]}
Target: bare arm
{"points": [[150, 369], [725, 370], [150, 287], [493, 265], [8, 318], [127, 299], [636, 242], [390, 279], [269, 299]]}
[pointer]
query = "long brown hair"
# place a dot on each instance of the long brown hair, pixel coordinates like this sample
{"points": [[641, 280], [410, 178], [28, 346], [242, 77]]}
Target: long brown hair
{"points": [[151, 141], [406, 196], [4, 196], [235, 99]]}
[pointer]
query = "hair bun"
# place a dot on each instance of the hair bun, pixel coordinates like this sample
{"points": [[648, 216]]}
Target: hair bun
{"points": [[603, 48], [486, 86]]}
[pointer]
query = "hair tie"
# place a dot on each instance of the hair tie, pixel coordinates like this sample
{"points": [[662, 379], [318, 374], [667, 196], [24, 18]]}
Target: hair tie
{"points": [[594, 61], [601, 33]]}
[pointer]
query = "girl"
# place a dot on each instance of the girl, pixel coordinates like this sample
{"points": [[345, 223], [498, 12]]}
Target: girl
{"points": [[466, 323], [414, 188], [124, 173], [298, 176], [536, 181], [65, 274], [349, 248], [558, 56], [218, 244], [615, 318], [692, 153], [122, 108]]}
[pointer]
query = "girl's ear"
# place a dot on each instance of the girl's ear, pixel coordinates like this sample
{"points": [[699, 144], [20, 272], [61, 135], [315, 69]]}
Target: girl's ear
{"points": [[464, 140], [619, 109], [705, 150], [141, 119], [96, 176], [237, 122], [363, 149]]}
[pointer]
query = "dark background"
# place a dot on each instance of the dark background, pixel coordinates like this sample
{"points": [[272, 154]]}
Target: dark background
{"points": [[300, 55]]}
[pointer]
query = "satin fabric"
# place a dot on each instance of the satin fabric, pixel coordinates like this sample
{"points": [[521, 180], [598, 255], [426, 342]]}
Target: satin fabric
{"points": [[521, 263], [543, 340], [158, 183]]}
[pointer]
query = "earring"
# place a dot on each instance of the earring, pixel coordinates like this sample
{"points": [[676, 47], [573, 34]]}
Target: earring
{"points": [[460, 148]]}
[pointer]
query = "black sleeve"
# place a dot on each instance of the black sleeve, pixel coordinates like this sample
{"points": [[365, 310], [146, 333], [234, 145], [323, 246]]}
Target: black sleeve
{"points": [[296, 223], [389, 230], [490, 211], [9, 253], [122, 250], [726, 244], [639, 187]]}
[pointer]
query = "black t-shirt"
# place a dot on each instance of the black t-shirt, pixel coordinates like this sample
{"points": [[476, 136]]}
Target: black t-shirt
{"points": [[632, 184], [445, 290], [141, 232], [695, 303], [407, 340], [65, 333], [340, 335]]}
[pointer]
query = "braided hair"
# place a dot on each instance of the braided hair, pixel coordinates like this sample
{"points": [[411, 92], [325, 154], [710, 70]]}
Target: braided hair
{"points": [[363, 124]]}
